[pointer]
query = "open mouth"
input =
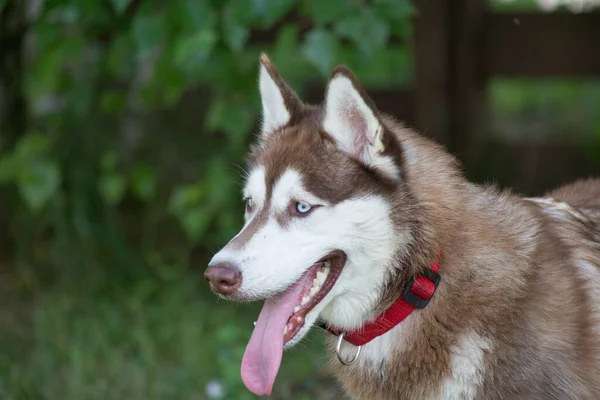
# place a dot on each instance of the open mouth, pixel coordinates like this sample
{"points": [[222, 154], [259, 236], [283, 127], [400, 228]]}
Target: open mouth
{"points": [[318, 281], [282, 317]]}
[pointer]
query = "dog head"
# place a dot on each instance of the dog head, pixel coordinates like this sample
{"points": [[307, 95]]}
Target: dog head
{"points": [[319, 239]]}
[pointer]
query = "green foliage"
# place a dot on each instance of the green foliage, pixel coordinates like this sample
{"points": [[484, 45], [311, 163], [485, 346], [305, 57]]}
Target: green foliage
{"points": [[30, 167], [516, 5], [99, 67], [140, 113], [321, 49], [569, 109], [135, 346], [37, 182]]}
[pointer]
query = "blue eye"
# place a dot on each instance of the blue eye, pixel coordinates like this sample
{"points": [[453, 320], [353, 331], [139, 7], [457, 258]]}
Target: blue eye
{"points": [[303, 208]]}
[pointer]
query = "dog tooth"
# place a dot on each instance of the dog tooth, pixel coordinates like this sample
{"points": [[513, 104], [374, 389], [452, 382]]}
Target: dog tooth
{"points": [[314, 290], [305, 300], [321, 277], [285, 329], [316, 281], [296, 309], [254, 323]]}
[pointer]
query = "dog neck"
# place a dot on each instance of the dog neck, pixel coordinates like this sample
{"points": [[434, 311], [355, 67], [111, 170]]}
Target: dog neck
{"points": [[416, 296]]}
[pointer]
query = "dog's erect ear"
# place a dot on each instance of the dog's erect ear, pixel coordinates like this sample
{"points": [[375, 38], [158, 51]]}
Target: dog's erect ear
{"points": [[352, 120], [279, 102]]}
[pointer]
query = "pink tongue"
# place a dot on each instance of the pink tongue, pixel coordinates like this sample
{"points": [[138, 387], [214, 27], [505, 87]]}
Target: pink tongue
{"points": [[262, 357]]}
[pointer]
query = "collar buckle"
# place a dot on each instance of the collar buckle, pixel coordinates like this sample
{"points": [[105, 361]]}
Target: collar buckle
{"points": [[416, 296], [416, 283]]}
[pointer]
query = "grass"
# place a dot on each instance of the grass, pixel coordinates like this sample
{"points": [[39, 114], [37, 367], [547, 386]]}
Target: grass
{"points": [[154, 340]]}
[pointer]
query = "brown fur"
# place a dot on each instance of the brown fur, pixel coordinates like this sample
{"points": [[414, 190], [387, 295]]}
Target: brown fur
{"points": [[509, 272], [584, 193], [511, 267]]}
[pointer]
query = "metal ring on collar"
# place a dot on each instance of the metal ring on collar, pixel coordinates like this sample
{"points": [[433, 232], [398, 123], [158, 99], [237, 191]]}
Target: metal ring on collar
{"points": [[338, 349]]}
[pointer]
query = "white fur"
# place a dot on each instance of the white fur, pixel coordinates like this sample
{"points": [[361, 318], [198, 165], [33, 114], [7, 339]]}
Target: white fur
{"points": [[274, 111], [344, 101], [374, 354], [353, 124], [369, 238], [467, 368], [591, 274], [557, 209], [289, 187], [276, 256], [587, 267], [256, 186], [378, 350]]}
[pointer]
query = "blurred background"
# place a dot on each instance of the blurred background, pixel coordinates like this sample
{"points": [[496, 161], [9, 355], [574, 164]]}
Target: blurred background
{"points": [[123, 129]]}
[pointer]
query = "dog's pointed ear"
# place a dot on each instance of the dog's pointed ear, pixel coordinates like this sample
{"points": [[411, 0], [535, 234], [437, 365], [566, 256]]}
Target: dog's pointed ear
{"points": [[279, 101], [353, 121]]}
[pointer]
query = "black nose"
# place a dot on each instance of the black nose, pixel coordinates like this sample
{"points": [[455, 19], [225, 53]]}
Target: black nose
{"points": [[224, 277]]}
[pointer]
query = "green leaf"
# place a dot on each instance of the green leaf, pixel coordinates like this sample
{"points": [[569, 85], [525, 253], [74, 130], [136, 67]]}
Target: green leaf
{"points": [[235, 22], [143, 182], [112, 187], [398, 14], [120, 5], [112, 102], [56, 55], [9, 167], [388, 67], [396, 10], [38, 182], [149, 32], [121, 57], [297, 70], [32, 145], [167, 84], [325, 11], [195, 15], [185, 197], [242, 12], [286, 45], [81, 96], [321, 48], [365, 29], [195, 222], [218, 178], [192, 51], [234, 119], [270, 12], [108, 162], [235, 35]]}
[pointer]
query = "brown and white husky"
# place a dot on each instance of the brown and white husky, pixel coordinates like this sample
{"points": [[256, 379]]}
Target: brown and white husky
{"points": [[429, 286]]}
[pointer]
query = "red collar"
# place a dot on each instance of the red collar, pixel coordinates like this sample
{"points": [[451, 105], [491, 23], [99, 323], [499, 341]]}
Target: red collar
{"points": [[417, 295]]}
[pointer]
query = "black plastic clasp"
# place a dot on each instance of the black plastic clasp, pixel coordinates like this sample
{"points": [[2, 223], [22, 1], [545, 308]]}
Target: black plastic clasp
{"points": [[415, 300]]}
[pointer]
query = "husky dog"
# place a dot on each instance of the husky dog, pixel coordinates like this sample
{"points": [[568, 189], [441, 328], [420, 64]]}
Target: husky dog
{"points": [[429, 287]]}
